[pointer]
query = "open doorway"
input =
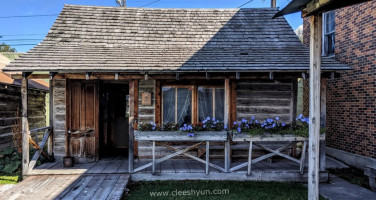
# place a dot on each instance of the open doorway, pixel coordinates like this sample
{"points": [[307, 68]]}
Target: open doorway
{"points": [[113, 118]]}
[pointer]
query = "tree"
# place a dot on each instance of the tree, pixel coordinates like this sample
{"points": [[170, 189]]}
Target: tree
{"points": [[6, 48]]}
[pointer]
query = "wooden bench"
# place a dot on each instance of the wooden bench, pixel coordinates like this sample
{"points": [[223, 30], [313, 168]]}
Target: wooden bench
{"points": [[371, 173]]}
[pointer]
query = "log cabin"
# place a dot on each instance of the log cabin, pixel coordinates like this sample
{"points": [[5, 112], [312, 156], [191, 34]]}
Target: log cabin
{"points": [[114, 68], [10, 107]]}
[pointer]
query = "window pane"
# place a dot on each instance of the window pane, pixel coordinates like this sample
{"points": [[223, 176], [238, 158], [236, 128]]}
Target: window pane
{"points": [[184, 106], [205, 103], [331, 43], [219, 104], [168, 105]]}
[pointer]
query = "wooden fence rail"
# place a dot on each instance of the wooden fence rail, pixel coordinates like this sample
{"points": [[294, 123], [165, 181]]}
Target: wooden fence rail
{"points": [[39, 147]]}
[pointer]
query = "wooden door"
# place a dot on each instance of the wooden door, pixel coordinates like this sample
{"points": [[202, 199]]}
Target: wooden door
{"points": [[82, 120]]}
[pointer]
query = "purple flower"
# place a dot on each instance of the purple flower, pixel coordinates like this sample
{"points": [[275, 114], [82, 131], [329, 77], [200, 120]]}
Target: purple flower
{"points": [[153, 128], [225, 127], [208, 118], [190, 134], [300, 116], [244, 121], [277, 118], [283, 124], [239, 130], [204, 126], [213, 119], [253, 117], [273, 125], [234, 123], [257, 121]]}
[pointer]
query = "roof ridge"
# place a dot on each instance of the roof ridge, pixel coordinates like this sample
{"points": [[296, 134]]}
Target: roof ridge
{"points": [[143, 8]]}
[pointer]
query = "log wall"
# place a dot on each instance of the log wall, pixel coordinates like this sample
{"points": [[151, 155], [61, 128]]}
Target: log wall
{"points": [[265, 99], [10, 104]]}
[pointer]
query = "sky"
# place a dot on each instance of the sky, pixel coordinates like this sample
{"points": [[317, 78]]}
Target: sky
{"points": [[23, 32]]}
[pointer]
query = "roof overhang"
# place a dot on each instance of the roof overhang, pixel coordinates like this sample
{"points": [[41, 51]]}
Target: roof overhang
{"points": [[311, 7]]}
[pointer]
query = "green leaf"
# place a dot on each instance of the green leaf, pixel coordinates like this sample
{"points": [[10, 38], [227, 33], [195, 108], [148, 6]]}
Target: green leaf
{"points": [[11, 167], [8, 151]]}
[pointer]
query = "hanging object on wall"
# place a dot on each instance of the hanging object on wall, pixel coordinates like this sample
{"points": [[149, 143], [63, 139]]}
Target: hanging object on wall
{"points": [[146, 99]]}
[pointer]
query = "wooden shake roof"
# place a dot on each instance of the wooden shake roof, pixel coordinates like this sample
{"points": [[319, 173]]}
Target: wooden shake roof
{"points": [[117, 39]]}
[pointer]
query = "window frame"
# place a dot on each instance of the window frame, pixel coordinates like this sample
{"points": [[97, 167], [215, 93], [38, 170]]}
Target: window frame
{"points": [[194, 99], [176, 87], [213, 87], [325, 34]]}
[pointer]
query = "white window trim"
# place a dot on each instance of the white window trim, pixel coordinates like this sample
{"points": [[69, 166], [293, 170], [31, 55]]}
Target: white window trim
{"points": [[324, 33]]}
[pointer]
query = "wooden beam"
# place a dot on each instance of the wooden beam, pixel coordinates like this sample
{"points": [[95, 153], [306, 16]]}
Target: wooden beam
{"points": [[51, 107], [294, 99], [186, 76], [227, 122], [52, 75], [157, 106], [323, 124], [25, 127], [131, 124], [313, 6], [233, 103], [314, 107]]}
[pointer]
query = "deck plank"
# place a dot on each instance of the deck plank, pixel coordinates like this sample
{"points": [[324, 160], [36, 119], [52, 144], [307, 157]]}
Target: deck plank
{"points": [[99, 166], [89, 190], [180, 166], [194, 166], [123, 167], [113, 167], [106, 187], [74, 189], [167, 167], [118, 189]]}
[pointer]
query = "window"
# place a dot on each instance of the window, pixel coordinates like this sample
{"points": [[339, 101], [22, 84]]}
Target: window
{"points": [[191, 104], [328, 33], [177, 105], [211, 103]]}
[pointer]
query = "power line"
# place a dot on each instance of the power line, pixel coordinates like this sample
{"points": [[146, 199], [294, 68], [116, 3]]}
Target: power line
{"points": [[19, 16], [22, 34], [22, 44], [245, 3], [150, 3], [18, 40]]}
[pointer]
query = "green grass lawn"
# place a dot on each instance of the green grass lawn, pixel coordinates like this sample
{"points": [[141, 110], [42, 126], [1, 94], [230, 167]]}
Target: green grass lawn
{"points": [[216, 190], [9, 179]]}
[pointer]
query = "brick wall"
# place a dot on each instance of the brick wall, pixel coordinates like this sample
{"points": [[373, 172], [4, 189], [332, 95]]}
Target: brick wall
{"points": [[351, 99]]}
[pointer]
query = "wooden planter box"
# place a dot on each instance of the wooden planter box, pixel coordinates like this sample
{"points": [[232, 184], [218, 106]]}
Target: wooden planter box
{"points": [[267, 137], [176, 136]]}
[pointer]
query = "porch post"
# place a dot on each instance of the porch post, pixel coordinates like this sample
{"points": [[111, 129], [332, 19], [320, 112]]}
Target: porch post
{"points": [[323, 124], [131, 127], [314, 107], [133, 113], [51, 138], [25, 126], [227, 123]]}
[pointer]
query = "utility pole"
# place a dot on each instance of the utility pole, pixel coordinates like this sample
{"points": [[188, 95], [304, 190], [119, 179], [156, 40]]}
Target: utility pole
{"points": [[273, 3], [121, 3]]}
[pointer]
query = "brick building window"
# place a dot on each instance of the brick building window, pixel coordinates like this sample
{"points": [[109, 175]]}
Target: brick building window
{"points": [[328, 33]]}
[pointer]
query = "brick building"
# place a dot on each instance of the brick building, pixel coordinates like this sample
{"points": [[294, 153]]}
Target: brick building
{"points": [[349, 35]]}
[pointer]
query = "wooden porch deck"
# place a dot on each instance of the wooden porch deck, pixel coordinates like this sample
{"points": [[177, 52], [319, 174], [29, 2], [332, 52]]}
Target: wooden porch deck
{"points": [[182, 169]]}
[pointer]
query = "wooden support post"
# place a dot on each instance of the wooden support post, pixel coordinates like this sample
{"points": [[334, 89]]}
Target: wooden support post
{"points": [[249, 158], [207, 158], [153, 155], [131, 124], [157, 107], [323, 124], [227, 122], [51, 138], [25, 127], [314, 107]]}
